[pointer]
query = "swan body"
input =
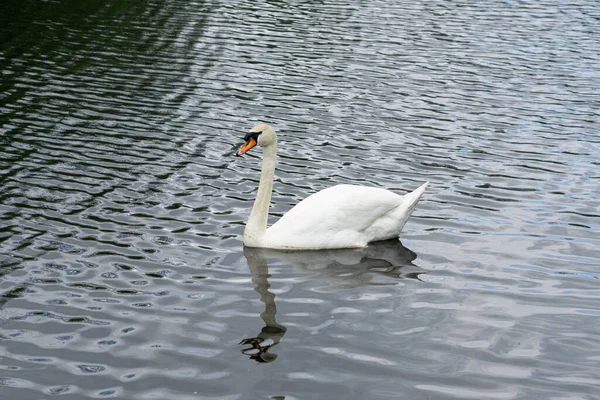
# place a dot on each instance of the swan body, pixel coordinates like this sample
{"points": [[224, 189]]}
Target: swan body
{"points": [[342, 216]]}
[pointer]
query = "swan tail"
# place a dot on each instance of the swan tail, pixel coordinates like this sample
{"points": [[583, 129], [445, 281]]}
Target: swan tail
{"points": [[409, 204], [411, 199]]}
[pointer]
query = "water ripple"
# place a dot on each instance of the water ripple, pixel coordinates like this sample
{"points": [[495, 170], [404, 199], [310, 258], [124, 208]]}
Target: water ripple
{"points": [[122, 208]]}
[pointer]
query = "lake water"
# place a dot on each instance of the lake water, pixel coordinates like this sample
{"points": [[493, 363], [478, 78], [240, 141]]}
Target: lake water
{"points": [[122, 208]]}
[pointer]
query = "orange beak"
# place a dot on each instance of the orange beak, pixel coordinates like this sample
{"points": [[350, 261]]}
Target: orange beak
{"points": [[247, 146]]}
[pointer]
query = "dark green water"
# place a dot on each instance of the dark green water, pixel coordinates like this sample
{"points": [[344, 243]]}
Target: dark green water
{"points": [[122, 270]]}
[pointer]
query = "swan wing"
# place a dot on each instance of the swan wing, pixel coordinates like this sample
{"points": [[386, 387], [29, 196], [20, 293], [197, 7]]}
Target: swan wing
{"points": [[340, 216]]}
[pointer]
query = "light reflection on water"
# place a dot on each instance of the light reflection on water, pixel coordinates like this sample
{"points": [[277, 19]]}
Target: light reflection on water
{"points": [[121, 207]]}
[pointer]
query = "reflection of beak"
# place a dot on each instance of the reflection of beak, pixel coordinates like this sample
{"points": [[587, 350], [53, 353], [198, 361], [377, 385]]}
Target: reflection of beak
{"points": [[247, 146]]}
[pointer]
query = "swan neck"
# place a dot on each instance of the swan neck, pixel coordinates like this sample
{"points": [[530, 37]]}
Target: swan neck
{"points": [[257, 223]]}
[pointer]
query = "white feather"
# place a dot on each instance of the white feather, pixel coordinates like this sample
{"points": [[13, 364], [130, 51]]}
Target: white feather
{"points": [[343, 216]]}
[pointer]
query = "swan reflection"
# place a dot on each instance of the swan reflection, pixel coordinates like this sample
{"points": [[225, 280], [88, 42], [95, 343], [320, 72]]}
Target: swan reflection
{"points": [[339, 269]]}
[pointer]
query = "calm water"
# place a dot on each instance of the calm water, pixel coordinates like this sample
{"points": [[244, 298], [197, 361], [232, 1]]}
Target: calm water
{"points": [[122, 209]]}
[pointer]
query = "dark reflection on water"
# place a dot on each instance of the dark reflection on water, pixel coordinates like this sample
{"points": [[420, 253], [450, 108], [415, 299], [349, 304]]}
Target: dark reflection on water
{"points": [[343, 268], [122, 271], [272, 332]]}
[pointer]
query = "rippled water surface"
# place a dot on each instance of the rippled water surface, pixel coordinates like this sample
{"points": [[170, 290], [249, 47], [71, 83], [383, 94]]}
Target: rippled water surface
{"points": [[123, 272]]}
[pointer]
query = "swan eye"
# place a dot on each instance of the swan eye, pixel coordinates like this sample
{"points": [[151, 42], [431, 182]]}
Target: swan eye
{"points": [[253, 135]]}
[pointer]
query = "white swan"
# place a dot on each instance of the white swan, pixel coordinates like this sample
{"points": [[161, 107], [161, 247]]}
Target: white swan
{"points": [[342, 216]]}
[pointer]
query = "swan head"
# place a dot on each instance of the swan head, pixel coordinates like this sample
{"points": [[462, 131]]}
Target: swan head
{"points": [[262, 135]]}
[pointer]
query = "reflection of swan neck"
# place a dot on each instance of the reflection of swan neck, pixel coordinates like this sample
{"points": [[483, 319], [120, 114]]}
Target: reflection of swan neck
{"points": [[257, 222], [260, 269], [262, 287], [272, 332]]}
